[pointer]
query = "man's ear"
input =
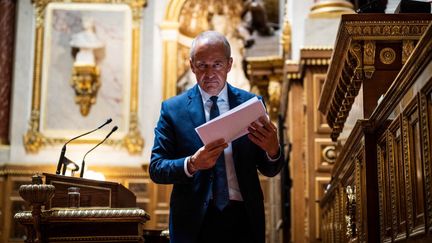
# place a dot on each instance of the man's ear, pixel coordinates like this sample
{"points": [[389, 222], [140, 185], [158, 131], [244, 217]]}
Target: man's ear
{"points": [[230, 62], [191, 65]]}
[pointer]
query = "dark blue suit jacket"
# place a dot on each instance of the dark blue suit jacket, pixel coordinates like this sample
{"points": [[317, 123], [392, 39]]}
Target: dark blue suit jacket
{"points": [[175, 139]]}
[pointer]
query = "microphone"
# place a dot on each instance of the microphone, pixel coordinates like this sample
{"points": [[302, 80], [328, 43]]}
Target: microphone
{"points": [[101, 142], [63, 161]]}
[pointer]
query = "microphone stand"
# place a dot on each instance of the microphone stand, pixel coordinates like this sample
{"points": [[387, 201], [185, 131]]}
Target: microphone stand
{"points": [[83, 161], [63, 161]]}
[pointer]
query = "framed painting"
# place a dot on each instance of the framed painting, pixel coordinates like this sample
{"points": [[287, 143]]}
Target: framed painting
{"points": [[85, 71]]}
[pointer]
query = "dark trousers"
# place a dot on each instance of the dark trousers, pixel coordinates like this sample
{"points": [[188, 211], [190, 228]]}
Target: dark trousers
{"points": [[230, 225]]}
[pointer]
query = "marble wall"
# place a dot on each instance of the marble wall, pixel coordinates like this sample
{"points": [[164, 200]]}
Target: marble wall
{"points": [[112, 26], [297, 14], [61, 113]]}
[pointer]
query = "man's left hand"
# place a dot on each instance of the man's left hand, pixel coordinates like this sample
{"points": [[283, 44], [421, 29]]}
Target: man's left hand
{"points": [[265, 136]]}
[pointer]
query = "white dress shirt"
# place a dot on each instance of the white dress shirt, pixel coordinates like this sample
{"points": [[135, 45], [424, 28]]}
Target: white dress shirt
{"points": [[223, 104]]}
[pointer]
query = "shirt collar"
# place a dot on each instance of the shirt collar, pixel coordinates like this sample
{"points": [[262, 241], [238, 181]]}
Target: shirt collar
{"points": [[222, 96]]}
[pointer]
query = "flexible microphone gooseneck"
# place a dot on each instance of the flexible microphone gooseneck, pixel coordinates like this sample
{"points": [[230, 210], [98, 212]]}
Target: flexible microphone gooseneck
{"points": [[63, 160], [101, 142]]}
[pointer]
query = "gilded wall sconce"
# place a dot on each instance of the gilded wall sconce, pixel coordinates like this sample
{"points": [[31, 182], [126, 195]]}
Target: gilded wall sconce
{"points": [[86, 82], [86, 74]]}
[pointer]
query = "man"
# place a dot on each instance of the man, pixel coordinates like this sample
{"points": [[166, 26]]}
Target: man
{"points": [[216, 195]]}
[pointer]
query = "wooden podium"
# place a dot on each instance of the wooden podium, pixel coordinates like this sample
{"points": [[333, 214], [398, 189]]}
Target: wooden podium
{"points": [[107, 212], [93, 193]]}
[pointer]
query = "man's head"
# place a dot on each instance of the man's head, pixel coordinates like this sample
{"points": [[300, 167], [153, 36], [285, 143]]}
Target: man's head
{"points": [[210, 61]]}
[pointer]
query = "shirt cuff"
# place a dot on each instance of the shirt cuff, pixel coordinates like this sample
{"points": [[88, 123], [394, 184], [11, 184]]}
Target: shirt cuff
{"points": [[185, 167], [273, 160]]}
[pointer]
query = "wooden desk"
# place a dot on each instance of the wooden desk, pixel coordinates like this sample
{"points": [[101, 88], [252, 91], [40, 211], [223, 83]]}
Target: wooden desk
{"points": [[87, 224]]}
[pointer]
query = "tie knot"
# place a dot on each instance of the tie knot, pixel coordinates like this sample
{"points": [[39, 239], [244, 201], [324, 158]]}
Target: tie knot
{"points": [[214, 99]]}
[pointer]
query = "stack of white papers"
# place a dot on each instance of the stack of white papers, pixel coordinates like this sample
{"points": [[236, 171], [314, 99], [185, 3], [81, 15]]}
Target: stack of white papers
{"points": [[233, 123]]}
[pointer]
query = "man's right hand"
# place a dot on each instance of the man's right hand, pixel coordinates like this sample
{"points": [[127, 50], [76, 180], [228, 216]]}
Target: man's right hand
{"points": [[206, 156]]}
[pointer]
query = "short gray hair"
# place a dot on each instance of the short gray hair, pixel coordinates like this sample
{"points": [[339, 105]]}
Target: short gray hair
{"points": [[212, 37]]}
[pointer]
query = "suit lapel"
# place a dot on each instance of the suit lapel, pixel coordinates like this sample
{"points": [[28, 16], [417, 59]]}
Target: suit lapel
{"points": [[234, 97], [195, 107]]}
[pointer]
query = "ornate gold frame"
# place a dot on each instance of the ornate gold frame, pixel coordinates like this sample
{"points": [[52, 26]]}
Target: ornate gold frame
{"points": [[34, 139]]}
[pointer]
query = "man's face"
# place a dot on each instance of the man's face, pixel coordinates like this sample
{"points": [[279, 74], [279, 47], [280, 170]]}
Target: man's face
{"points": [[210, 66]]}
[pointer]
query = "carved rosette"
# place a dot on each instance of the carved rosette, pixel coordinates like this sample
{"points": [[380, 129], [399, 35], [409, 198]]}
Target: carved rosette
{"points": [[387, 55], [329, 154]]}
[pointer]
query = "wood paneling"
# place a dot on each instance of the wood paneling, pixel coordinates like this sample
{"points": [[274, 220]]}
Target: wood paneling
{"points": [[393, 168], [414, 169]]}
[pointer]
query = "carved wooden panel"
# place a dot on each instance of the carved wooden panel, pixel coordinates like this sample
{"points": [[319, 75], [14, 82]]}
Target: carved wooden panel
{"points": [[398, 180], [320, 186], [359, 229], [413, 169], [384, 180], [320, 122], [337, 213], [426, 121], [161, 211], [142, 189]]}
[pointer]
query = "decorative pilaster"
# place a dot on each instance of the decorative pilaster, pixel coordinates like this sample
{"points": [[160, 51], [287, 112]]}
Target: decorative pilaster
{"points": [[331, 8], [7, 28]]}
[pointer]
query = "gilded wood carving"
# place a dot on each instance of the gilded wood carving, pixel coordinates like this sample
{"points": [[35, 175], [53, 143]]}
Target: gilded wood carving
{"points": [[425, 121], [408, 185], [380, 170]]}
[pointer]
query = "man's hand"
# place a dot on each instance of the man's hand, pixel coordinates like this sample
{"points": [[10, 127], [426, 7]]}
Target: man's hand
{"points": [[206, 156], [265, 136]]}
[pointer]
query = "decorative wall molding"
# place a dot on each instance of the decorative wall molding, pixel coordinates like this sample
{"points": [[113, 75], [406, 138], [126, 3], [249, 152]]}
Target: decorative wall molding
{"points": [[34, 139]]}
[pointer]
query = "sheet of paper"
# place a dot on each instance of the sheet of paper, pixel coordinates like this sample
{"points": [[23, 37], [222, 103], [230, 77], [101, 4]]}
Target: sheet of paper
{"points": [[233, 123]]}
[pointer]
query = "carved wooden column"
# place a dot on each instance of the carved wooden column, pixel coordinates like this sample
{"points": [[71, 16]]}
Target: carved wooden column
{"points": [[330, 8], [7, 28], [37, 194]]}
